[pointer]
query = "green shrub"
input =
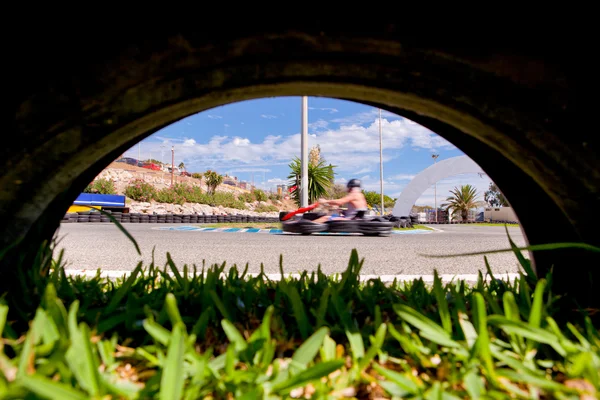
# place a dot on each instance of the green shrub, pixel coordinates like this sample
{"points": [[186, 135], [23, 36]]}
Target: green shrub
{"points": [[374, 199], [274, 197], [246, 197], [226, 200], [259, 195], [197, 175], [140, 190], [101, 186], [169, 195], [266, 208]]}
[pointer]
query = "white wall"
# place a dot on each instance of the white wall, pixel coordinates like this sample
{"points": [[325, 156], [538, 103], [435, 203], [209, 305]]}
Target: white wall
{"points": [[499, 214]]}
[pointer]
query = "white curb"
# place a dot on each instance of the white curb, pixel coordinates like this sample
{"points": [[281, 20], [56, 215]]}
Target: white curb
{"points": [[363, 278]]}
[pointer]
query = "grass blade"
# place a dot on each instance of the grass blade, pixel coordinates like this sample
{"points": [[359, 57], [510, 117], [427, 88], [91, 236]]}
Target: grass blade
{"points": [[124, 289], [313, 373], [173, 374], [403, 381], [172, 310], [234, 336], [309, 349], [428, 328], [298, 310], [122, 229], [375, 347], [50, 389], [483, 338], [442, 303]]}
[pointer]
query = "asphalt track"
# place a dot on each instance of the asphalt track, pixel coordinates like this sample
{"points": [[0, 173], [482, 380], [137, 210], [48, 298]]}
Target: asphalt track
{"points": [[92, 246]]}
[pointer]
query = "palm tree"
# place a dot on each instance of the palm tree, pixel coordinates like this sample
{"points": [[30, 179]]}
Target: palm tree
{"points": [[213, 180], [320, 179], [181, 166], [462, 200]]}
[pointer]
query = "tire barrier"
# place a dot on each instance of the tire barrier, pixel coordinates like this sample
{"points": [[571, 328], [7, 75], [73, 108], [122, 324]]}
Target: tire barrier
{"points": [[137, 218]]}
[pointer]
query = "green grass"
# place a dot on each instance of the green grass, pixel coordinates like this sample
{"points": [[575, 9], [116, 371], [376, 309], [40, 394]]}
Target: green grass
{"points": [[213, 332]]}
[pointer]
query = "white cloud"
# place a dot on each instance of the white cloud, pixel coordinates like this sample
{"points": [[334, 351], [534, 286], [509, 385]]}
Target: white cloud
{"points": [[364, 170], [277, 181], [366, 117], [249, 170], [320, 124], [189, 142], [401, 177], [212, 116], [331, 110], [226, 125], [351, 148], [268, 116]]}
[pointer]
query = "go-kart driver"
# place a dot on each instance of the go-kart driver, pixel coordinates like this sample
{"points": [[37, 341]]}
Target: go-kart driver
{"points": [[355, 199]]}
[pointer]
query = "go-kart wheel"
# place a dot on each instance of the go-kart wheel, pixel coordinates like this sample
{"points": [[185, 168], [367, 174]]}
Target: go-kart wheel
{"points": [[343, 226], [303, 226]]}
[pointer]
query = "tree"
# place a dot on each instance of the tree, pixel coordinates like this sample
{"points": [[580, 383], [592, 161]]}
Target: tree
{"points": [[337, 191], [494, 197], [462, 200], [320, 179], [181, 166], [213, 180], [374, 199]]}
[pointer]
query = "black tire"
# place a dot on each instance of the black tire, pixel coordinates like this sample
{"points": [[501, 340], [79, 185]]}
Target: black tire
{"points": [[510, 105], [303, 227], [343, 226]]}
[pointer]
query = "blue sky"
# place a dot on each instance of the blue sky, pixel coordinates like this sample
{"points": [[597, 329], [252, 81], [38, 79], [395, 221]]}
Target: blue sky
{"points": [[258, 139]]}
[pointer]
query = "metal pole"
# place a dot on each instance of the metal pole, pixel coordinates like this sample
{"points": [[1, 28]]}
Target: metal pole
{"points": [[381, 162], [304, 153], [172, 163], [435, 156]]}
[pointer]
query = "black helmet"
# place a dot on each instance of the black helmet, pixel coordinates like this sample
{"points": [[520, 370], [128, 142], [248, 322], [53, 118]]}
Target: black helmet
{"points": [[353, 183]]}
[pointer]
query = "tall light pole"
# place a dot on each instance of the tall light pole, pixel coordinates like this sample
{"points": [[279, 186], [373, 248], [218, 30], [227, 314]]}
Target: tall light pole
{"points": [[304, 153], [172, 163], [162, 153], [381, 161], [435, 157]]}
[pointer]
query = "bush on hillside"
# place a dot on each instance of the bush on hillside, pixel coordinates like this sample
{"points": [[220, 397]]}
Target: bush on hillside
{"points": [[140, 190], [246, 197], [260, 195], [226, 200], [266, 208], [275, 197], [197, 175], [170, 196], [101, 186]]}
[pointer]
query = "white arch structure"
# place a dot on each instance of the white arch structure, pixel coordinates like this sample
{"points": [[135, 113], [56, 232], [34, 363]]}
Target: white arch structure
{"points": [[430, 175]]}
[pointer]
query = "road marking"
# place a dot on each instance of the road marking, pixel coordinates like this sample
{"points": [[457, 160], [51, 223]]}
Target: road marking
{"points": [[275, 231], [276, 277]]}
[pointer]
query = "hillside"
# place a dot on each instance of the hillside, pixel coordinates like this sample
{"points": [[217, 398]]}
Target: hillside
{"points": [[122, 174]]}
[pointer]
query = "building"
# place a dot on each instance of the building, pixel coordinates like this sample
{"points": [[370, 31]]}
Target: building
{"points": [[499, 214]]}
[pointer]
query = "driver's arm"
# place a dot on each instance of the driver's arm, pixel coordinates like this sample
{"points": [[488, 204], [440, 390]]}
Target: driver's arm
{"points": [[338, 202]]}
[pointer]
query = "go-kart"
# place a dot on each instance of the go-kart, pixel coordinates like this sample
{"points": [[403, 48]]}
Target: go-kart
{"points": [[361, 223]]}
